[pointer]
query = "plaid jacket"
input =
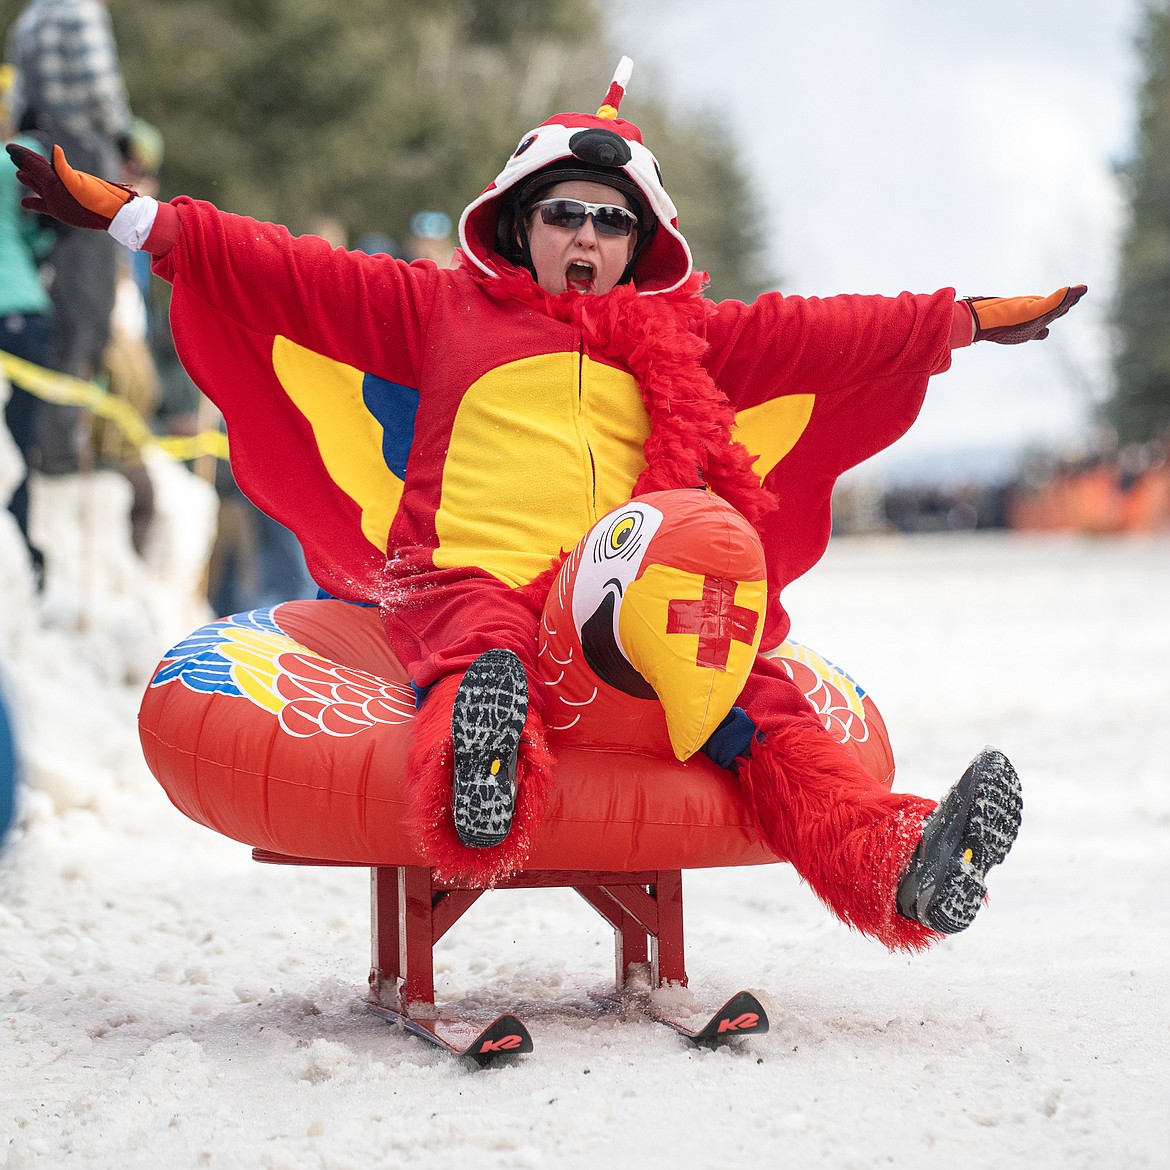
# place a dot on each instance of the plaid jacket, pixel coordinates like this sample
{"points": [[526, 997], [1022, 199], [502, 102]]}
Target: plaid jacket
{"points": [[67, 69]]}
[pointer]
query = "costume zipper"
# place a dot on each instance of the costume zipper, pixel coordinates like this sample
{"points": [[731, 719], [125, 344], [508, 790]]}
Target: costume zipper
{"points": [[583, 429]]}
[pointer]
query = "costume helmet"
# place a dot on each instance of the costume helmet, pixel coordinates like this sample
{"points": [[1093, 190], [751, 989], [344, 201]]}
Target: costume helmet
{"points": [[598, 148]]}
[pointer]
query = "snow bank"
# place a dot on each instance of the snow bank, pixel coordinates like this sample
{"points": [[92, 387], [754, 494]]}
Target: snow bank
{"points": [[74, 659]]}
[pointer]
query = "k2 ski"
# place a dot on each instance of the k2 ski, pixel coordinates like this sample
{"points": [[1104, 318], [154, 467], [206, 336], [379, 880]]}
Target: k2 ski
{"points": [[504, 1036]]}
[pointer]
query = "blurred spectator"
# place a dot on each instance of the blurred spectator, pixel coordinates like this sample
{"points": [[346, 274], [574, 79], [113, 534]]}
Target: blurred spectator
{"points": [[1100, 490], [129, 370], [282, 574], [8, 768], [69, 86], [255, 561], [182, 409], [330, 229], [143, 162], [231, 570], [25, 312], [955, 507], [377, 244], [430, 238], [128, 364]]}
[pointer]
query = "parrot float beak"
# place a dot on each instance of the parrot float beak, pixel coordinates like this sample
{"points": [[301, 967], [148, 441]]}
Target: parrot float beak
{"points": [[605, 656]]}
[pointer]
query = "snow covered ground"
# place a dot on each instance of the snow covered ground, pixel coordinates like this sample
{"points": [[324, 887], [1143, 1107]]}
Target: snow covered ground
{"points": [[167, 1003]]}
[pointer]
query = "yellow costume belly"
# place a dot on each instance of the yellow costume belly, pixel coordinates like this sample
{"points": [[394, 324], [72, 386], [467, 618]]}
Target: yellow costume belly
{"points": [[541, 448]]}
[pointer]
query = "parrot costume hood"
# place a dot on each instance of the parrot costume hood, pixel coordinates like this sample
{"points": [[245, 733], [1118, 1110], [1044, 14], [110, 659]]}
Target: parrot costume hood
{"points": [[691, 432], [599, 148]]}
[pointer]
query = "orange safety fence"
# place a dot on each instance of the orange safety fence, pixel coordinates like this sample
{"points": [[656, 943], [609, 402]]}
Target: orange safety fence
{"points": [[1096, 499]]}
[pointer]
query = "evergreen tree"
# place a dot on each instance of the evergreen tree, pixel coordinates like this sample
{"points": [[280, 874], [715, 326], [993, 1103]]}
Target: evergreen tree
{"points": [[1140, 406], [371, 110]]}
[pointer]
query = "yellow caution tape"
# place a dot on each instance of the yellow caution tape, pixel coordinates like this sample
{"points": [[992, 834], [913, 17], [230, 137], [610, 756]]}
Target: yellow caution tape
{"points": [[65, 389], [185, 448]]}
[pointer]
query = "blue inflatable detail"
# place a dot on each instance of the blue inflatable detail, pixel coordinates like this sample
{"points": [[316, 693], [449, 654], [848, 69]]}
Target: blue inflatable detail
{"points": [[197, 661], [9, 769]]}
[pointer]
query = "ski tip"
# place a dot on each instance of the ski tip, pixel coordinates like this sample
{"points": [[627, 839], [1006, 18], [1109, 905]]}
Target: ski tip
{"points": [[741, 1015], [504, 1036]]}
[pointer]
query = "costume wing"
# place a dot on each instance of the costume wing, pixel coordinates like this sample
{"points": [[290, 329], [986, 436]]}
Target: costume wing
{"points": [[319, 445], [803, 443]]}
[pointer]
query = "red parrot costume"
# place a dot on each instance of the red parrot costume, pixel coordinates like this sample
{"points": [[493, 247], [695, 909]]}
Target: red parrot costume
{"points": [[525, 418], [439, 438]]}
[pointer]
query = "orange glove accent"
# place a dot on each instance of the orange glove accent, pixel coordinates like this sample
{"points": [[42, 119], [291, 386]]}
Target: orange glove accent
{"points": [[1012, 320], [65, 194], [94, 194]]}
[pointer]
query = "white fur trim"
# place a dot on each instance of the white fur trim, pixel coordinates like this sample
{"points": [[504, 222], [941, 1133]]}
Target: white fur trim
{"points": [[132, 224]]}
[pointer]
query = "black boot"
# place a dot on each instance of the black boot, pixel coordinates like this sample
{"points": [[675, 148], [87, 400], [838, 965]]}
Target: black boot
{"points": [[970, 831], [490, 708]]}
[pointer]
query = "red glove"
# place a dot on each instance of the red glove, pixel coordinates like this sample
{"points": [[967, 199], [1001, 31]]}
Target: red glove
{"points": [[71, 196], [1012, 320]]}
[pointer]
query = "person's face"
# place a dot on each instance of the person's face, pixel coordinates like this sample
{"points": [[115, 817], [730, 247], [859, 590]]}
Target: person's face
{"points": [[582, 259]]}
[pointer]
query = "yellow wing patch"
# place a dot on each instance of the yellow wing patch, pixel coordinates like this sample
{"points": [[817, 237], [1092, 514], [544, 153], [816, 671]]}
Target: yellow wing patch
{"points": [[770, 430], [349, 438]]}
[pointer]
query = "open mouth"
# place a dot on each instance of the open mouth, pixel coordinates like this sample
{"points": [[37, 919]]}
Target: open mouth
{"points": [[580, 276]]}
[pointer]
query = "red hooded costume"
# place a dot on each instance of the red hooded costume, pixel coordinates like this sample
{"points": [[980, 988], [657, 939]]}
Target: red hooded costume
{"points": [[437, 438]]}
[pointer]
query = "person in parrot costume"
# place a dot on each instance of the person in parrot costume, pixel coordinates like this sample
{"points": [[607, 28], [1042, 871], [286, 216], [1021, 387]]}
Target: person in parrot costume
{"points": [[438, 438]]}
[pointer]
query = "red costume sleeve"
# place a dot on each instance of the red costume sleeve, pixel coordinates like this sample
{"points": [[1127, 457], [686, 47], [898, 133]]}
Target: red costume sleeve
{"points": [[864, 360], [794, 345], [243, 290], [365, 310]]}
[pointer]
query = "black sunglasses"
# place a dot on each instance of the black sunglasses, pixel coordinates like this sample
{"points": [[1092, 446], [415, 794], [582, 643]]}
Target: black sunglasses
{"points": [[608, 219]]}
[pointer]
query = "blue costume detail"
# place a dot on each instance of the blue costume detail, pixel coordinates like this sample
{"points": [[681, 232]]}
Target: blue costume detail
{"points": [[731, 742], [394, 406]]}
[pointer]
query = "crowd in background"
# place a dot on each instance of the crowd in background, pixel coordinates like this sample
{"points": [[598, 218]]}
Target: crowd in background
{"points": [[74, 302], [1110, 490]]}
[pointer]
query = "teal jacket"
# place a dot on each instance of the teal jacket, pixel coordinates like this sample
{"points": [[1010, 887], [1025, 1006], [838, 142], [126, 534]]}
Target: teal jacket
{"points": [[22, 245]]}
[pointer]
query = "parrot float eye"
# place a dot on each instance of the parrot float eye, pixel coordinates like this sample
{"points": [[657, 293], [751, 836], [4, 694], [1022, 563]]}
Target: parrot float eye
{"points": [[622, 537]]}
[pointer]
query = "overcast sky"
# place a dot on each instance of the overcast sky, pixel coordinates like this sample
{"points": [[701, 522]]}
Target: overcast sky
{"points": [[914, 144]]}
